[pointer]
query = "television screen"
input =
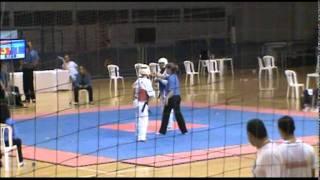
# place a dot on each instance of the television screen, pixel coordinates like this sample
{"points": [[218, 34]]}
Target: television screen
{"points": [[12, 49]]}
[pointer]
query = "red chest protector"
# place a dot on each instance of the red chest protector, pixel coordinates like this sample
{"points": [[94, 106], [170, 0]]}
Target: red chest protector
{"points": [[143, 95]]}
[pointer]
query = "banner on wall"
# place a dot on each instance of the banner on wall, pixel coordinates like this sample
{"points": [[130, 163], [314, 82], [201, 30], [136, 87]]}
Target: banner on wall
{"points": [[9, 34]]}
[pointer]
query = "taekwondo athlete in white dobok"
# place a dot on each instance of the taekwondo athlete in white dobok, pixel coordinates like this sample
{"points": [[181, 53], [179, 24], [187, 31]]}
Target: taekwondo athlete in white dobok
{"points": [[267, 163], [162, 87], [298, 159], [143, 91]]}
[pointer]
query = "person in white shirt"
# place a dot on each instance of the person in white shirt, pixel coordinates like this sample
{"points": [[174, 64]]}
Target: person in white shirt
{"points": [[267, 163], [298, 159], [162, 87], [143, 91], [71, 66]]}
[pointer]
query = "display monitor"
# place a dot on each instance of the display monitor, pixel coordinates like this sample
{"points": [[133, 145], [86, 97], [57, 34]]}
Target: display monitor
{"points": [[12, 49]]}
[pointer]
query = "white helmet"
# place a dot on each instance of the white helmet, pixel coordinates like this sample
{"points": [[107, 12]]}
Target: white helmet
{"points": [[144, 71], [163, 60]]}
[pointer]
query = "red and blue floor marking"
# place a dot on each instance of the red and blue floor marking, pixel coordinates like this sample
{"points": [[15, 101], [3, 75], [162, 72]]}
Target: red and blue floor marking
{"points": [[96, 137]]}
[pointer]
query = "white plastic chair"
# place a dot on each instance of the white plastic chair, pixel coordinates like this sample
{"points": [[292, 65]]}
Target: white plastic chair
{"points": [[263, 67], [190, 72], [293, 84], [7, 149], [270, 63], [138, 66], [213, 68], [202, 66], [114, 76], [83, 92]]}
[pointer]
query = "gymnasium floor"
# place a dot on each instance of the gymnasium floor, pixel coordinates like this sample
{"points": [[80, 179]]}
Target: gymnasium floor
{"points": [[216, 144]]}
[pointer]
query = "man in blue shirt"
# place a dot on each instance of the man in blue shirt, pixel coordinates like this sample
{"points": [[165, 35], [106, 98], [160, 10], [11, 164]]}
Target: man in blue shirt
{"points": [[173, 85], [6, 119], [28, 65], [172, 101]]}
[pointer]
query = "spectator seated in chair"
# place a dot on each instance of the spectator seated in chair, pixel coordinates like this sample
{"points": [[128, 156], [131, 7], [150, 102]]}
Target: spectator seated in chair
{"points": [[83, 81], [6, 119]]}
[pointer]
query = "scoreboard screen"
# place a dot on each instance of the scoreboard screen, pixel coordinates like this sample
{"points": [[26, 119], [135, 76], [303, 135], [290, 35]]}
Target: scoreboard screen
{"points": [[12, 49]]}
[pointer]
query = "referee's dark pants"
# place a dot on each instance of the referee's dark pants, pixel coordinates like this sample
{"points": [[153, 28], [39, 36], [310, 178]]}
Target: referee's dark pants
{"points": [[173, 103], [28, 87]]}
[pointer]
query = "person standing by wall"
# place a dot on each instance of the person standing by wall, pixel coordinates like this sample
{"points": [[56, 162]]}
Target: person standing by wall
{"points": [[4, 73], [7, 92], [172, 100], [2, 83], [28, 65]]}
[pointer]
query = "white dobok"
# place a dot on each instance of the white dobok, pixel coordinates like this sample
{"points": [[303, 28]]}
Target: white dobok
{"points": [[143, 91]]}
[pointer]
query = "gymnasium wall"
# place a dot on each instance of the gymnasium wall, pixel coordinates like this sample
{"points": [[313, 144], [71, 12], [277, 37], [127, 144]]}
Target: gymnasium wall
{"points": [[256, 23]]}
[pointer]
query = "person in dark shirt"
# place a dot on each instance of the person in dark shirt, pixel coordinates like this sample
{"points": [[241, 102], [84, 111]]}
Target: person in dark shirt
{"points": [[83, 81], [28, 65], [2, 88], [2, 92]]}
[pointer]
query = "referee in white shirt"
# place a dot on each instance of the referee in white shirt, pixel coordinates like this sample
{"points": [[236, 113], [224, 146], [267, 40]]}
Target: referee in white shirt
{"points": [[297, 158], [267, 163]]}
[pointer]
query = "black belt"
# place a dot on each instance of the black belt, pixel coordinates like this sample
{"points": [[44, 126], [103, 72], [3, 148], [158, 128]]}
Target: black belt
{"points": [[144, 106]]}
